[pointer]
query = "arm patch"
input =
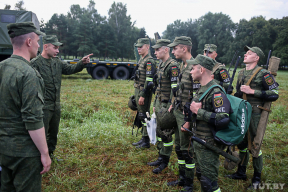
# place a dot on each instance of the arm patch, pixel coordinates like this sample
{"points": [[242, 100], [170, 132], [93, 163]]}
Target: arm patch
{"points": [[196, 85], [224, 76], [269, 82], [150, 69], [220, 103], [174, 73]]}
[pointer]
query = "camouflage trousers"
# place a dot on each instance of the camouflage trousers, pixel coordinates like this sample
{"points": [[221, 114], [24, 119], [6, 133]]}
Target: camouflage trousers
{"points": [[243, 146], [207, 161], [51, 121], [20, 173], [165, 141], [143, 108]]}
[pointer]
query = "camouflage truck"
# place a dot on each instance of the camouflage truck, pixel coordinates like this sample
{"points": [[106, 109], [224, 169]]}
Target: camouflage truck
{"points": [[12, 16]]}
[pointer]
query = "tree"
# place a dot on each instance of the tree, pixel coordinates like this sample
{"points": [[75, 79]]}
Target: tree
{"points": [[19, 6], [7, 7]]}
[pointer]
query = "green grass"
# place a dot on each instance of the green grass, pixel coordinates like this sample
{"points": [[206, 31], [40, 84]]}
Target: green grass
{"points": [[95, 142]]}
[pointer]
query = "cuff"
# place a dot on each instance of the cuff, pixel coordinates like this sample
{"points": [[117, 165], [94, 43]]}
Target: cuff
{"points": [[257, 93], [34, 126], [200, 114], [142, 94]]}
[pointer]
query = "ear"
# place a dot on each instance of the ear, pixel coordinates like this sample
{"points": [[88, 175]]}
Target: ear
{"points": [[28, 42], [257, 58], [216, 55]]}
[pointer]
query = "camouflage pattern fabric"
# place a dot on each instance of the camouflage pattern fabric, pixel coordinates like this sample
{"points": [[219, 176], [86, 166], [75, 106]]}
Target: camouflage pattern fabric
{"points": [[222, 77]]}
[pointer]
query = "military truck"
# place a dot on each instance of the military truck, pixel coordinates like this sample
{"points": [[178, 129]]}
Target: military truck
{"points": [[12, 16]]}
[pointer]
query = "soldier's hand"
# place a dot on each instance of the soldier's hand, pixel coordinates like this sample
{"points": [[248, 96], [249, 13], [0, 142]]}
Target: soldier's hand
{"points": [[153, 109], [46, 162], [170, 108], [186, 125], [141, 101], [86, 59], [194, 107], [247, 89]]}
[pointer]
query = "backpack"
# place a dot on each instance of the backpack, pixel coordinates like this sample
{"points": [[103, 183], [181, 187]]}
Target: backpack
{"points": [[239, 120]]}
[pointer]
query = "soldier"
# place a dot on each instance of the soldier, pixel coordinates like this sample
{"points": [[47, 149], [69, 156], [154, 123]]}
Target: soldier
{"points": [[220, 73], [166, 79], [263, 87], [182, 94], [23, 147], [143, 84], [207, 117], [51, 69]]}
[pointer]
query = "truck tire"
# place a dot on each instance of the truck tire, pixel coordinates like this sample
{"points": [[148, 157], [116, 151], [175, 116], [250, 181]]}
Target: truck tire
{"points": [[121, 73], [100, 72]]}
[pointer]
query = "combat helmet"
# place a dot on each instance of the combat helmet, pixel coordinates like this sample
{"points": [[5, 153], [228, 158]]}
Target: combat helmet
{"points": [[132, 103]]}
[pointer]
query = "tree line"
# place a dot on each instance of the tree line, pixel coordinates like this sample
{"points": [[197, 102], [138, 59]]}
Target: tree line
{"points": [[84, 31]]}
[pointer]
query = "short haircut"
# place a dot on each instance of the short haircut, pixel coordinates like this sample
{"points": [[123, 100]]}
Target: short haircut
{"points": [[189, 48], [18, 41], [164, 47]]}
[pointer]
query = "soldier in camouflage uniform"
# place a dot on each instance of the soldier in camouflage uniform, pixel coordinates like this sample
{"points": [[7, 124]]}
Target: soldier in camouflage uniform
{"points": [[23, 147], [143, 84], [51, 69], [212, 113], [263, 87], [166, 79], [220, 73], [182, 94]]}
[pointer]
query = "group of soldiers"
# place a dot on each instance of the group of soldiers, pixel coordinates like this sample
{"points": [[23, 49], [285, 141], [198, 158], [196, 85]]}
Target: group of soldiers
{"points": [[30, 107], [180, 85]]}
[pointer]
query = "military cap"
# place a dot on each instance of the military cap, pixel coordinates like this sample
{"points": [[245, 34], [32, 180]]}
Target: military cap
{"points": [[161, 42], [202, 60], [210, 47], [256, 50], [51, 39], [142, 41], [17, 29], [181, 40]]}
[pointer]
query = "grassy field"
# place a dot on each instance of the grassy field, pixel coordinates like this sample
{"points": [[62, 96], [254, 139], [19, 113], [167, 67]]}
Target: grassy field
{"points": [[95, 143]]}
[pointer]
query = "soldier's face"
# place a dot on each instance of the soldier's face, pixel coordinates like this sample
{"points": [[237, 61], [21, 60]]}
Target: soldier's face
{"points": [[250, 57], [143, 50], [212, 55], [52, 50], [178, 51], [160, 53], [196, 72], [34, 45]]}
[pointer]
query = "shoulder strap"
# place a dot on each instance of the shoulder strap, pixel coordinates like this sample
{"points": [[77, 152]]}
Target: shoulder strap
{"points": [[167, 64], [249, 81], [210, 89], [217, 65]]}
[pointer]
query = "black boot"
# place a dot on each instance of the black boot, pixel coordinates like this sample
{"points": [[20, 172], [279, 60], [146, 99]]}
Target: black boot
{"points": [[188, 186], [145, 143], [207, 185], [139, 142], [256, 180], [163, 165], [181, 180], [157, 162], [239, 174]]}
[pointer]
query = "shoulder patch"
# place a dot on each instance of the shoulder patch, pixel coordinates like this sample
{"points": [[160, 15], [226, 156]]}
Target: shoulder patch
{"points": [[220, 103], [224, 76], [269, 82], [148, 67]]}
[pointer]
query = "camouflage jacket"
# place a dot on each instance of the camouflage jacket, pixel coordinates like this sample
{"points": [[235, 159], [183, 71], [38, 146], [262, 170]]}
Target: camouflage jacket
{"points": [[222, 76], [214, 102], [21, 95], [51, 71]]}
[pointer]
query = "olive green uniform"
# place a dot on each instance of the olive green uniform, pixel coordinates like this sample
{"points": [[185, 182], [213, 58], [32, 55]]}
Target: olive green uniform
{"points": [[21, 95], [207, 160], [144, 75], [51, 71], [222, 76], [167, 79], [266, 89], [184, 95]]}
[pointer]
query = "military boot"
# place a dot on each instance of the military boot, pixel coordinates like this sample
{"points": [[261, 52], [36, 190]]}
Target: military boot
{"points": [[181, 180], [145, 143], [139, 142], [256, 181], [239, 174], [157, 162], [163, 165], [188, 186]]}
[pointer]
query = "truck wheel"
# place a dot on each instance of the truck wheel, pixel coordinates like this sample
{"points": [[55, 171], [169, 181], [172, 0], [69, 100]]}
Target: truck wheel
{"points": [[100, 72], [121, 73]]}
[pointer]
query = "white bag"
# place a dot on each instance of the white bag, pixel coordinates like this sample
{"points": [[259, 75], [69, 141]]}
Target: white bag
{"points": [[151, 128]]}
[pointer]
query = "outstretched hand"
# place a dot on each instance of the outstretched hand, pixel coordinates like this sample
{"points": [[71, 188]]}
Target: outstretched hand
{"points": [[86, 59]]}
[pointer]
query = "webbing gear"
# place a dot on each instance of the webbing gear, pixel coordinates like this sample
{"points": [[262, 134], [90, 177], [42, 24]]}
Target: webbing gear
{"points": [[249, 81]]}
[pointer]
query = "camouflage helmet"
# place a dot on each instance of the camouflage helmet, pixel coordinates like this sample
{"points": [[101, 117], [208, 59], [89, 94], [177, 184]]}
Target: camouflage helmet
{"points": [[228, 164], [165, 119], [132, 103]]}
